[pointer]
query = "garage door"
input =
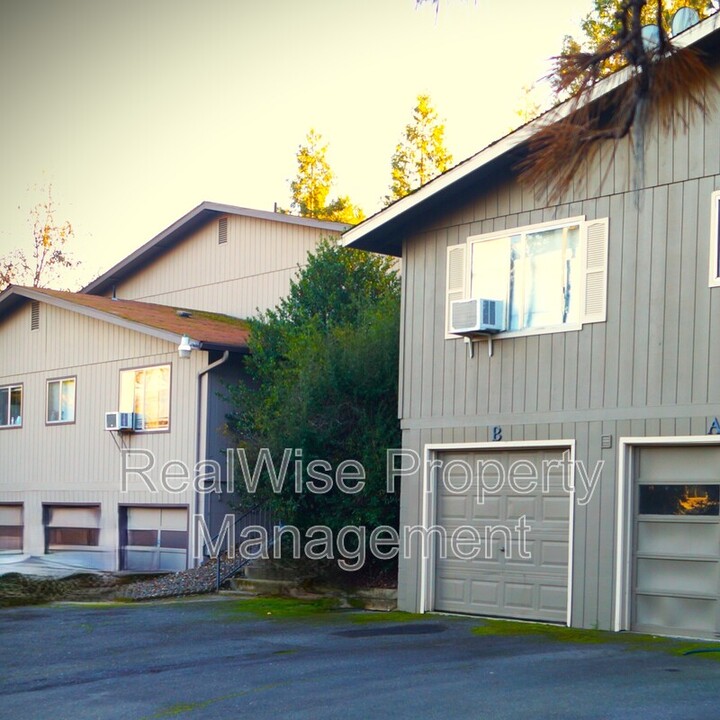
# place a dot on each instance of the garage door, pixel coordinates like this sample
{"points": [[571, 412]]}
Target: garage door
{"points": [[677, 541], [153, 538], [510, 578]]}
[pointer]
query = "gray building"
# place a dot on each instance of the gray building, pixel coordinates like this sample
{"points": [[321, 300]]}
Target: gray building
{"points": [[560, 382]]}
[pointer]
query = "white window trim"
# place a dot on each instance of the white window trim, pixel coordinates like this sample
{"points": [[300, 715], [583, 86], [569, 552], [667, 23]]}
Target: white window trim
{"points": [[61, 381], [10, 388], [714, 270], [580, 287], [120, 399]]}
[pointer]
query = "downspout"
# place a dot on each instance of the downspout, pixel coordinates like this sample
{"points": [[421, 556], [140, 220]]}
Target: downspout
{"points": [[198, 426]]}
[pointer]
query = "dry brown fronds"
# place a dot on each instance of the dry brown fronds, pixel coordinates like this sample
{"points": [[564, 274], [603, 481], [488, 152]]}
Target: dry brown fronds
{"points": [[665, 82]]}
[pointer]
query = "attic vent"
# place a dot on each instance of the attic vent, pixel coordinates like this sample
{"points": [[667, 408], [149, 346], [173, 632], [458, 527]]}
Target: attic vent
{"points": [[34, 314], [222, 231]]}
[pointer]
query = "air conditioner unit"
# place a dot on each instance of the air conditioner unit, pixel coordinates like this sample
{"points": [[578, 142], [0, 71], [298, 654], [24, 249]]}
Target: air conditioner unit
{"points": [[477, 315], [120, 421]]}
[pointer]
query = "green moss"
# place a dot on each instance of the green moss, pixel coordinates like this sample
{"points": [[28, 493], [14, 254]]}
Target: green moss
{"points": [[633, 641], [280, 608]]}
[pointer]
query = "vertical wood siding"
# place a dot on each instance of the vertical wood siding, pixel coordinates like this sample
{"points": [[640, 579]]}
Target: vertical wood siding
{"points": [[80, 462], [251, 270], [653, 368]]}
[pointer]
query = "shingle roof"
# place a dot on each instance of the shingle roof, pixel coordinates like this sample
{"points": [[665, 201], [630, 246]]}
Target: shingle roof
{"points": [[209, 330]]}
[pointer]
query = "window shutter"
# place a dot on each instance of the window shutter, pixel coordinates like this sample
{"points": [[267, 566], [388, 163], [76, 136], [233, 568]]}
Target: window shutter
{"points": [[455, 278], [596, 259]]}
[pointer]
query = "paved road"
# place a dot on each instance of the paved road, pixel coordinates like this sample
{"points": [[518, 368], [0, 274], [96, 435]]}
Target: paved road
{"points": [[193, 660]]}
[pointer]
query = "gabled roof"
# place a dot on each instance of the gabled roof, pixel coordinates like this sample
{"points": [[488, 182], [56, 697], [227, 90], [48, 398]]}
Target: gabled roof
{"points": [[383, 231], [208, 331], [176, 232]]}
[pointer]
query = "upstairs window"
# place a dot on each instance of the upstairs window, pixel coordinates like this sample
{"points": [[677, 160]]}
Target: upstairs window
{"points": [[541, 278], [60, 401], [146, 393], [11, 406], [715, 241]]}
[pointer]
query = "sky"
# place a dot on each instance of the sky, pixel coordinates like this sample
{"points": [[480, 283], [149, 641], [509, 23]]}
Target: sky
{"points": [[135, 111]]}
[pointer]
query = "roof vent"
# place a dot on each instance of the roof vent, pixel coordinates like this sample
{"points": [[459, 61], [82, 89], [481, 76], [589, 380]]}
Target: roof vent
{"points": [[222, 231], [183, 313], [34, 315]]}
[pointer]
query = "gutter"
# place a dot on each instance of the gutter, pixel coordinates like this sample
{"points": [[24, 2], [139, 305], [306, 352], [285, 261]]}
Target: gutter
{"points": [[198, 438]]}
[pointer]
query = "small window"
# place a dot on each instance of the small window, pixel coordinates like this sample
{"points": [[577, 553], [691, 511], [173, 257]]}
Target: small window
{"points": [[715, 241], [11, 528], [222, 230], [11, 406], [679, 499], [146, 393], [34, 315], [61, 401], [69, 527]]}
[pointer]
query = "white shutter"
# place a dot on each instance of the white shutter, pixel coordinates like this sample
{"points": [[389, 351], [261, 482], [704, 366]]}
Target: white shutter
{"points": [[74, 516], [596, 261], [455, 279]]}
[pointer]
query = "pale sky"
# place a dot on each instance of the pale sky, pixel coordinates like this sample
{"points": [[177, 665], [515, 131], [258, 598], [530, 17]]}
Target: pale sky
{"points": [[138, 110]]}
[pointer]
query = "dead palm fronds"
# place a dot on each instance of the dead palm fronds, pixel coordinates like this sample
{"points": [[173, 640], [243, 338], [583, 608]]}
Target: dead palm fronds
{"points": [[664, 81]]}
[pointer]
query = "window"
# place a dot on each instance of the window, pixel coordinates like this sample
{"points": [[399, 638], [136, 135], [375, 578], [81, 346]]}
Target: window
{"points": [[679, 499], [11, 528], [548, 277], [68, 527], [61, 401], [715, 241], [11, 406], [146, 392]]}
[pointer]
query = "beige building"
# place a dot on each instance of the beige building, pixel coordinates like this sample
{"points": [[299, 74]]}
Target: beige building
{"points": [[112, 400]]}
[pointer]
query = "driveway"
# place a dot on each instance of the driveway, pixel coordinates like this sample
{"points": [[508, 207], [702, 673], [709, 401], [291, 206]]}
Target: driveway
{"points": [[209, 659]]}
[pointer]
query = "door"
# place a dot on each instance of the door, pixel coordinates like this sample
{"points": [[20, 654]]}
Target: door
{"points": [[153, 538], [522, 528], [676, 559]]}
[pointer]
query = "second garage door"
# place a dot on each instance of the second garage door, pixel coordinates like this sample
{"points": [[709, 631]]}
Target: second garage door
{"points": [[500, 581]]}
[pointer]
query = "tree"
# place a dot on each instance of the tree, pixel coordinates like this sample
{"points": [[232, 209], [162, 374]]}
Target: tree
{"points": [[664, 82], [43, 266], [312, 184], [605, 21], [421, 154], [323, 368]]}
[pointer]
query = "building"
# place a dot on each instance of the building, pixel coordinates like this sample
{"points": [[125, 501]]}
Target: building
{"points": [[562, 450], [113, 400]]}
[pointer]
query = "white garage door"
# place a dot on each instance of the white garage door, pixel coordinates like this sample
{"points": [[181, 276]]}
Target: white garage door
{"points": [[677, 541], [153, 538], [518, 573]]}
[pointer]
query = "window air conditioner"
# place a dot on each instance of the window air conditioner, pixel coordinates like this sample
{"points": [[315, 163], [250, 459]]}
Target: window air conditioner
{"points": [[119, 421], [477, 315]]}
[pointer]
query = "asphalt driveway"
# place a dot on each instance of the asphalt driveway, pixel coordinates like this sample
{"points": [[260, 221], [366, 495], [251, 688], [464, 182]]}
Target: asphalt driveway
{"points": [[208, 659]]}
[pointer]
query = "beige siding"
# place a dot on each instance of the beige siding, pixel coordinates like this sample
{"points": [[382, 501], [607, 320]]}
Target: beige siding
{"points": [[650, 370], [81, 462], [251, 270]]}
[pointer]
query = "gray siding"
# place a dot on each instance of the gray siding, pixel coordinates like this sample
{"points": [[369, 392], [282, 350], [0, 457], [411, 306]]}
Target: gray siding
{"points": [[650, 370]]}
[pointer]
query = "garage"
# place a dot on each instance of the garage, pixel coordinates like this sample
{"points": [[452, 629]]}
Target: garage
{"points": [[153, 538], [676, 541], [517, 573]]}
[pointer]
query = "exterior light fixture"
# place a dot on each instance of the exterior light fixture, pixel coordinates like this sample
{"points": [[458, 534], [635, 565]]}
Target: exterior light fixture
{"points": [[184, 348]]}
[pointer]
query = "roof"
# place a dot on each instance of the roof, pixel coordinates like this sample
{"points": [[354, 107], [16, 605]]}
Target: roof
{"points": [[383, 232], [207, 331], [176, 232]]}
